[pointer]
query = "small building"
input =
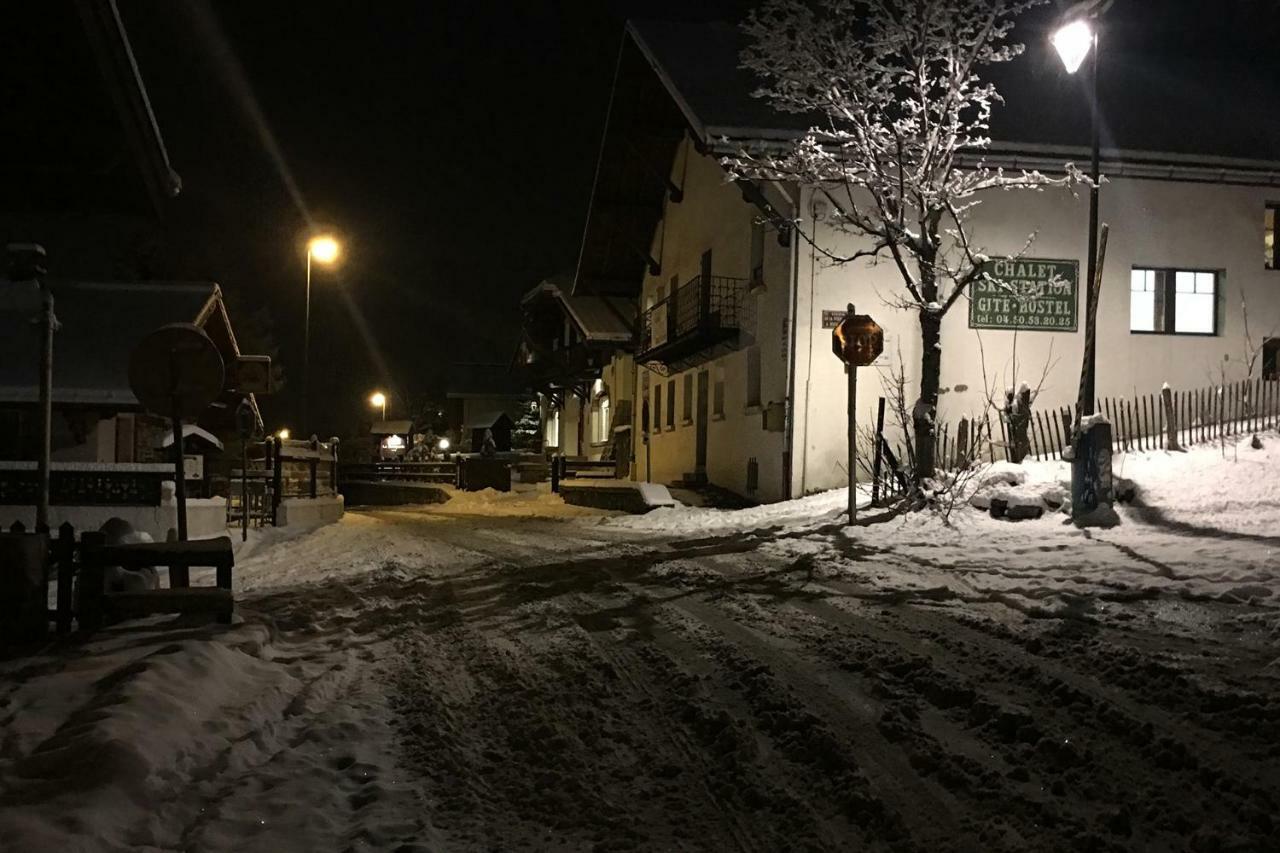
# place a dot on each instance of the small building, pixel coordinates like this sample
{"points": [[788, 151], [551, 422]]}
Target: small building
{"points": [[108, 453], [574, 351], [484, 397], [733, 365], [394, 438]]}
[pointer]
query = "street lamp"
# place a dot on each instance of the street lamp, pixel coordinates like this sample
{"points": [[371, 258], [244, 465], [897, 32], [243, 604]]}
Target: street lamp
{"points": [[379, 400], [324, 250], [1073, 41], [283, 434]]}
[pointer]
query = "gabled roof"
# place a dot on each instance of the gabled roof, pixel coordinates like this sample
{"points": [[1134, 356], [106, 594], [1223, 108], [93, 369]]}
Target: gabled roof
{"points": [[402, 427], [100, 324], [599, 319]]}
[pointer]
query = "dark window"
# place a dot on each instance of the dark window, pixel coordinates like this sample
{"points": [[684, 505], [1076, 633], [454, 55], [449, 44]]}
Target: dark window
{"points": [[753, 376], [671, 404], [1270, 351], [657, 407], [757, 254], [688, 398], [1173, 302], [1270, 222]]}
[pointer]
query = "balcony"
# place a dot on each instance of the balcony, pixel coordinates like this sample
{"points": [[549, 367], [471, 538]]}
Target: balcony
{"points": [[694, 323]]}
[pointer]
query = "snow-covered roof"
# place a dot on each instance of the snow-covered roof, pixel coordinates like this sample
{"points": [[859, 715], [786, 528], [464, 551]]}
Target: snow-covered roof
{"points": [[100, 323], [602, 318], [400, 427]]}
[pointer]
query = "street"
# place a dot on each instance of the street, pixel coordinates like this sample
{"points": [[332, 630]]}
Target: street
{"points": [[498, 683]]}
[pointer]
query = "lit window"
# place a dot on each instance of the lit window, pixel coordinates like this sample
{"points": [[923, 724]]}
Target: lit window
{"points": [[600, 420], [553, 429], [1178, 302], [1269, 222]]}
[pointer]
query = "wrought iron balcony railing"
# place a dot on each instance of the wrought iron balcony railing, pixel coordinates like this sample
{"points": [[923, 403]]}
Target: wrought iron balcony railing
{"points": [[701, 313]]}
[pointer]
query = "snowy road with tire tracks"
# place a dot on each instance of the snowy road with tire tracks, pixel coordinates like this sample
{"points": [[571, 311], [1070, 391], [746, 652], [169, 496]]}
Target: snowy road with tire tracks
{"points": [[505, 683]]}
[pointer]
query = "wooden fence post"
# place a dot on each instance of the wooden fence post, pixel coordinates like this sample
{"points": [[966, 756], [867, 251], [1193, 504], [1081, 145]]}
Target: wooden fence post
{"points": [[64, 550], [1171, 424], [875, 465], [277, 482], [92, 581]]}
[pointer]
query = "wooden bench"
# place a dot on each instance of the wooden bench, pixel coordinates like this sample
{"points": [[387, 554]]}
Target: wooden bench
{"points": [[97, 605]]}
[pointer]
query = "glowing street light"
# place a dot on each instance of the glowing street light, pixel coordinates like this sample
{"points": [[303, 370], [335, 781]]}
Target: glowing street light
{"points": [[1072, 41], [379, 400], [283, 434], [324, 249], [443, 444]]}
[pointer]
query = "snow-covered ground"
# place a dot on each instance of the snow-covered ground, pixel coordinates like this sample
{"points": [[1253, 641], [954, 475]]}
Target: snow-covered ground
{"points": [[507, 672]]}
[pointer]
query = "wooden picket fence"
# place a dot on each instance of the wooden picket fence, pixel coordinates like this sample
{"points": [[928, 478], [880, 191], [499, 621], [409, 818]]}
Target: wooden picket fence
{"points": [[1138, 423]]}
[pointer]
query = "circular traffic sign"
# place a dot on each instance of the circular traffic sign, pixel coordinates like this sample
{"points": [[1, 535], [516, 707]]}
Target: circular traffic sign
{"points": [[176, 370]]}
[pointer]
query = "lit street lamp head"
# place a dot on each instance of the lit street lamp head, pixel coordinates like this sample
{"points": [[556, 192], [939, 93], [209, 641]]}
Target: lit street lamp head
{"points": [[1072, 41], [323, 249], [378, 399]]}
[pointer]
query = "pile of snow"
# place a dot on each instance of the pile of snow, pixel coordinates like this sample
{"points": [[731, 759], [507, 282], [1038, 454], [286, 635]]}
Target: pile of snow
{"points": [[824, 507], [538, 502], [1018, 491]]}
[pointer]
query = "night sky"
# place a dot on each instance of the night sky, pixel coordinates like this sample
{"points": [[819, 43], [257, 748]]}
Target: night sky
{"points": [[451, 145]]}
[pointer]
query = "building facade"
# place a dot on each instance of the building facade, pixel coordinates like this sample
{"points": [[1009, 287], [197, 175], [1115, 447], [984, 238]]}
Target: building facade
{"points": [[735, 380]]}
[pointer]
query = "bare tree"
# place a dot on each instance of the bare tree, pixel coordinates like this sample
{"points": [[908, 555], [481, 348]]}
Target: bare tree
{"points": [[902, 117]]}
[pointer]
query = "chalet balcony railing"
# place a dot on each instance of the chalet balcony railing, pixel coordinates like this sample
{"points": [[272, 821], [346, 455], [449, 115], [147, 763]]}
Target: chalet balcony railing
{"points": [[701, 313]]}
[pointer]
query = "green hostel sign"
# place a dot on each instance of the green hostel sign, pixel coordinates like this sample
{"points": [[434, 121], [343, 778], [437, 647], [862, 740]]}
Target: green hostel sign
{"points": [[1026, 294]]}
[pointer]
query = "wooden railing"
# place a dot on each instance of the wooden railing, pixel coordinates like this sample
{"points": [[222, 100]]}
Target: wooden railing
{"points": [[402, 472]]}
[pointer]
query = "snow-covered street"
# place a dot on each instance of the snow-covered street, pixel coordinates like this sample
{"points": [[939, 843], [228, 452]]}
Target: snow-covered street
{"points": [[510, 673]]}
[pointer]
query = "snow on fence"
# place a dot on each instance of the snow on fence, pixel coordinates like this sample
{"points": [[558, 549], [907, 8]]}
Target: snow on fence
{"points": [[1138, 423]]}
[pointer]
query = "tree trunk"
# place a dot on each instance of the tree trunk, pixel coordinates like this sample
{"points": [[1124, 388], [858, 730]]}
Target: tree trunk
{"points": [[924, 415]]}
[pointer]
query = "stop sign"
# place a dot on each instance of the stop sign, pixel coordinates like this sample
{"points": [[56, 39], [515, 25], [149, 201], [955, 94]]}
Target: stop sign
{"points": [[857, 340]]}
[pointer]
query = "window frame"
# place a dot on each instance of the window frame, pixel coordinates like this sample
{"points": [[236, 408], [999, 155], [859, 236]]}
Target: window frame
{"points": [[671, 404], [1272, 207], [1170, 300]]}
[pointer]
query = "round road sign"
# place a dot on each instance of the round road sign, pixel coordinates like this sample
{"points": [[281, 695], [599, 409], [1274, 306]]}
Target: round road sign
{"points": [[176, 370]]}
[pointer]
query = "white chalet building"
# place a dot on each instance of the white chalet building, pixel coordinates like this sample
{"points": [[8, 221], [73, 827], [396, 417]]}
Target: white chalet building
{"points": [[735, 381]]}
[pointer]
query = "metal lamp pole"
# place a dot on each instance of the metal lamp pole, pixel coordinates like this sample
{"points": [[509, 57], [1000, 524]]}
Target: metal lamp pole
{"points": [[306, 352], [1088, 388], [324, 249]]}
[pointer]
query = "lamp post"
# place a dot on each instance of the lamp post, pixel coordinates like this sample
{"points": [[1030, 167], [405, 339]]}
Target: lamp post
{"points": [[324, 249], [379, 400], [1075, 40]]}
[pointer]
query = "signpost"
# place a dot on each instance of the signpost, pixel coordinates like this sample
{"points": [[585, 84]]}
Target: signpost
{"points": [[857, 340], [1025, 294], [177, 370]]}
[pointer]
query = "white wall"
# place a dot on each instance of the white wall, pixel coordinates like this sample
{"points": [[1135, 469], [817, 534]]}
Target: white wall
{"points": [[206, 517], [1153, 223], [308, 513]]}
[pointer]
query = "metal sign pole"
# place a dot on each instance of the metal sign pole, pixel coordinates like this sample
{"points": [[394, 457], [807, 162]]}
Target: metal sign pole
{"points": [[852, 370], [180, 474]]}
